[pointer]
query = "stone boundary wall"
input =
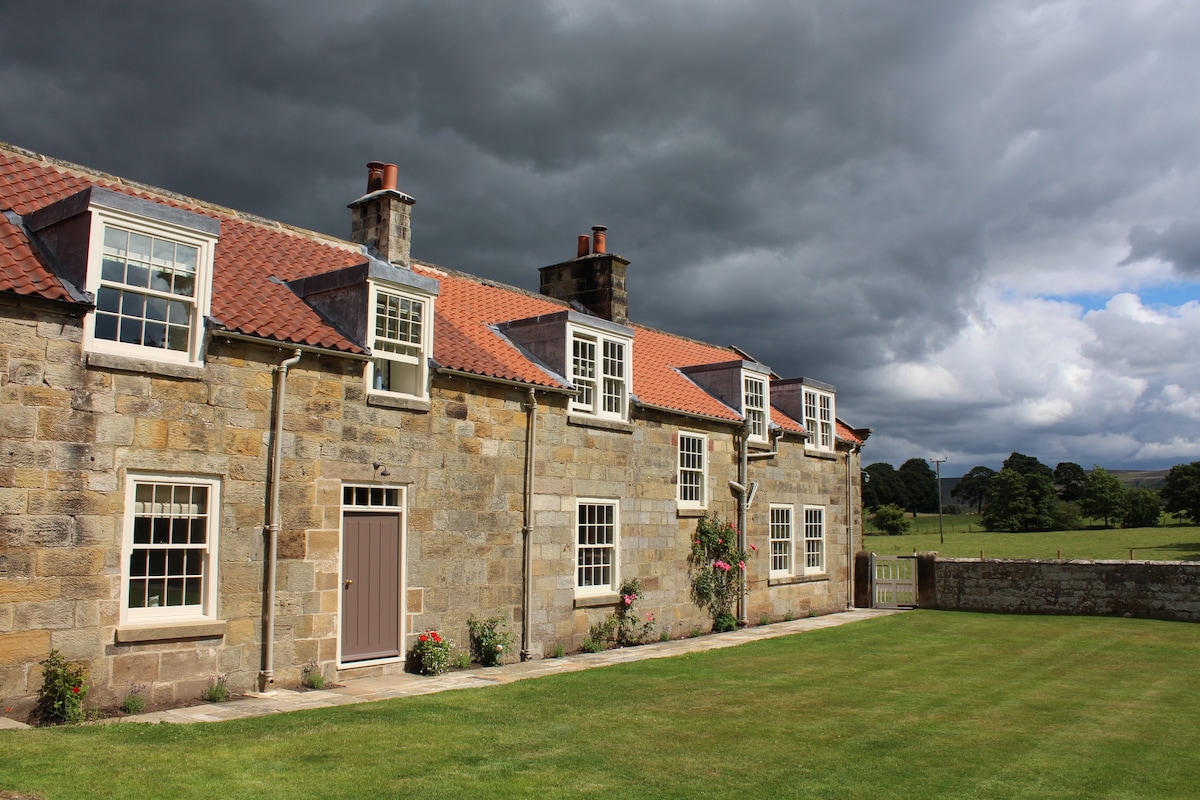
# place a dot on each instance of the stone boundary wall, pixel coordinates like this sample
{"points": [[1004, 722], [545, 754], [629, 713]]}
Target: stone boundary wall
{"points": [[1149, 589]]}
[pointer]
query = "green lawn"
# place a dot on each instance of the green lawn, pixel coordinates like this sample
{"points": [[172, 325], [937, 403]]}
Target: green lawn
{"points": [[924, 704], [965, 539]]}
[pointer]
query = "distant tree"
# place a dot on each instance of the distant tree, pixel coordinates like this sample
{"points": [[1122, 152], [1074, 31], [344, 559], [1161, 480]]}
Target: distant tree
{"points": [[1181, 492], [883, 487], [1026, 465], [1066, 517], [1103, 496], [890, 519], [1020, 502], [921, 485], [973, 487], [1069, 479], [1143, 507]]}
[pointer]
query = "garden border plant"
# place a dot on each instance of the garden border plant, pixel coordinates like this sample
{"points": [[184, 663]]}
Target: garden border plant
{"points": [[621, 628], [64, 685], [718, 566], [488, 642], [430, 654]]}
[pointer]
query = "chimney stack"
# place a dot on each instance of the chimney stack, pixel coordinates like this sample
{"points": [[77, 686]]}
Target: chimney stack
{"points": [[595, 279], [382, 218]]}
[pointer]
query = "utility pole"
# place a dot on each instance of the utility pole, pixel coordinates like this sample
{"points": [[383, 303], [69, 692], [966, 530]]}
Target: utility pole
{"points": [[938, 463]]}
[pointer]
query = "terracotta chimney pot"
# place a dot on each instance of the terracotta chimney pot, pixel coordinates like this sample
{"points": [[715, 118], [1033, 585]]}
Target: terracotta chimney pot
{"points": [[585, 246], [599, 246], [375, 171]]}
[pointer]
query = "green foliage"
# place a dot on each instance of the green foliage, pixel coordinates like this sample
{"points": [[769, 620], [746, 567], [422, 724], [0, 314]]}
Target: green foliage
{"points": [[1143, 509], [623, 627], [1027, 465], [559, 651], [1103, 496], [974, 487], [890, 520], [64, 685], [489, 642], [883, 486], [430, 655], [135, 701], [312, 677], [217, 690], [462, 659], [1069, 480], [1065, 517], [1181, 492], [920, 484], [717, 565], [1020, 501]]}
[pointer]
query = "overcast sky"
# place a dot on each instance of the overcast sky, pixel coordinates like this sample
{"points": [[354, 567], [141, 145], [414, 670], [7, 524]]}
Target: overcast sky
{"points": [[979, 220]]}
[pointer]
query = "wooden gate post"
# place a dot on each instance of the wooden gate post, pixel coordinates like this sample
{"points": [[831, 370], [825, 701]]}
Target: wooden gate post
{"points": [[862, 579]]}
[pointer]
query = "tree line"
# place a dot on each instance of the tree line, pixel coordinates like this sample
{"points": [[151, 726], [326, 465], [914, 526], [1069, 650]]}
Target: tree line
{"points": [[1026, 495]]}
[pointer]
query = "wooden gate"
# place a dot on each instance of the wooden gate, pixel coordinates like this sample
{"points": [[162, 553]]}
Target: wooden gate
{"points": [[893, 581]]}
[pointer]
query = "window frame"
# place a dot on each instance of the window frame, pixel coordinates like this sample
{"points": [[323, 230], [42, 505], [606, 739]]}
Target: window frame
{"points": [[759, 416], [782, 547], [104, 217], [206, 610], [614, 547], [818, 524], [419, 362], [820, 419], [682, 470], [598, 384]]}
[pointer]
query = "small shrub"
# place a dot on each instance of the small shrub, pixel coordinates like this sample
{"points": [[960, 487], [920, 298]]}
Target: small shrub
{"points": [[312, 677], [623, 627], [559, 651], [430, 655], [788, 617], [890, 520], [217, 690], [135, 701], [764, 620], [664, 636], [489, 642], [462, 660], [693, 633], [64, 685], [725, 623]]}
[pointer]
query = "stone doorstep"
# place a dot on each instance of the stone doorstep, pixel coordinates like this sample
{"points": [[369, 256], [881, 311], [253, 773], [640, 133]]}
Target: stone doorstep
{"points": [[362, 690]]}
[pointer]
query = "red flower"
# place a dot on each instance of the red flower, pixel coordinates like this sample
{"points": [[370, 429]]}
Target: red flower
{"points": [[436, 638], [424, 637], [75, 689]]}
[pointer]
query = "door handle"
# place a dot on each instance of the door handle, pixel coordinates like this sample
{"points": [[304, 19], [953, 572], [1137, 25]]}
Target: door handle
{"points": [[349, 581]]}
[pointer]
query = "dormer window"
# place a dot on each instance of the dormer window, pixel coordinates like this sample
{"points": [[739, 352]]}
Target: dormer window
{"points": [[754, 405], [400, 344], [600, 372], [819, 418], [148, 267]]}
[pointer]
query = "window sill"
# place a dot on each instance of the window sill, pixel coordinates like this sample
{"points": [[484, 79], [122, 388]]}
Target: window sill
{"points": [[394, 401], [790, 580], [826, 454], [129, 634], [585, 421], [597, 600], [144, 365], [690, 512]]}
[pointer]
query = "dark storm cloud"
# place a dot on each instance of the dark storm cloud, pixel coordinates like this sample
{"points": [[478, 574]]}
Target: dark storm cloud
{"points": [[850, 191]]}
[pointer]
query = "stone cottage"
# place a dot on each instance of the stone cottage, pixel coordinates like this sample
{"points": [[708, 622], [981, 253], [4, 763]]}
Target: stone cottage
{"points": [[231, 447]]}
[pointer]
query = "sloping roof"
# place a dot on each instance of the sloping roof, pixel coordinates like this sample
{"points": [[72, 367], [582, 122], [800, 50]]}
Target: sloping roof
{"points": [[254, 257]]}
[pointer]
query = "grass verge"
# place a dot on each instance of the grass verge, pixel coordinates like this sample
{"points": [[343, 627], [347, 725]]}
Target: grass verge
{"points": [[923, 704], [1173, 543]]}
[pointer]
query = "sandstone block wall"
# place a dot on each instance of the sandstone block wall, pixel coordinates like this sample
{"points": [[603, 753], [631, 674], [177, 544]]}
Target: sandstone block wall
{"points": [[1150, 589]]}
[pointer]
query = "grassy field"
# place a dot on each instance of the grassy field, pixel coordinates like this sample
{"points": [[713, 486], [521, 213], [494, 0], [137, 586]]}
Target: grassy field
{"points": [[964, 538], [920, 705]]}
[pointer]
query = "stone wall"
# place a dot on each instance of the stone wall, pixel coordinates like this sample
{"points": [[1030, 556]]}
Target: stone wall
{"points": [[71, 432], [1150, 589]]}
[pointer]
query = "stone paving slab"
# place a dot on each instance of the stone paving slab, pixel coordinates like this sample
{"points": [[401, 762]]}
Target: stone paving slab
{"points": [[362, 690]]}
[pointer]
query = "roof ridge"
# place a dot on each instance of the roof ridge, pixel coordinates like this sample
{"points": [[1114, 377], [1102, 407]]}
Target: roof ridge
{"points": [[215, 208]]}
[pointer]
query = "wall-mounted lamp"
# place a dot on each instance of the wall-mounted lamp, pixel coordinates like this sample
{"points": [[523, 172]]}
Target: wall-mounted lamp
{"points": [[378, 465]]}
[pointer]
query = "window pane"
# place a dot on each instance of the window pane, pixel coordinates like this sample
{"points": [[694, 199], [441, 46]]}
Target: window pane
{"points": [[139, 247], [163, 253]]}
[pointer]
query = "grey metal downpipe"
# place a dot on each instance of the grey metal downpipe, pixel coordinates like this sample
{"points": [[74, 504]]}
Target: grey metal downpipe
{"points": [[266, 678], [850, 525], [531, 409], [743, 478]]}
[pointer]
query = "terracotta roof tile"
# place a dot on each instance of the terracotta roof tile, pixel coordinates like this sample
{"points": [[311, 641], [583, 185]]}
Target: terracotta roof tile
{"points": [[657, 357], [22, 271]]}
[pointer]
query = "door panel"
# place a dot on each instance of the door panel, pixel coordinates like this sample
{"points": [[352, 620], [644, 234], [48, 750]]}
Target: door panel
{"points": [[370, 585]]}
